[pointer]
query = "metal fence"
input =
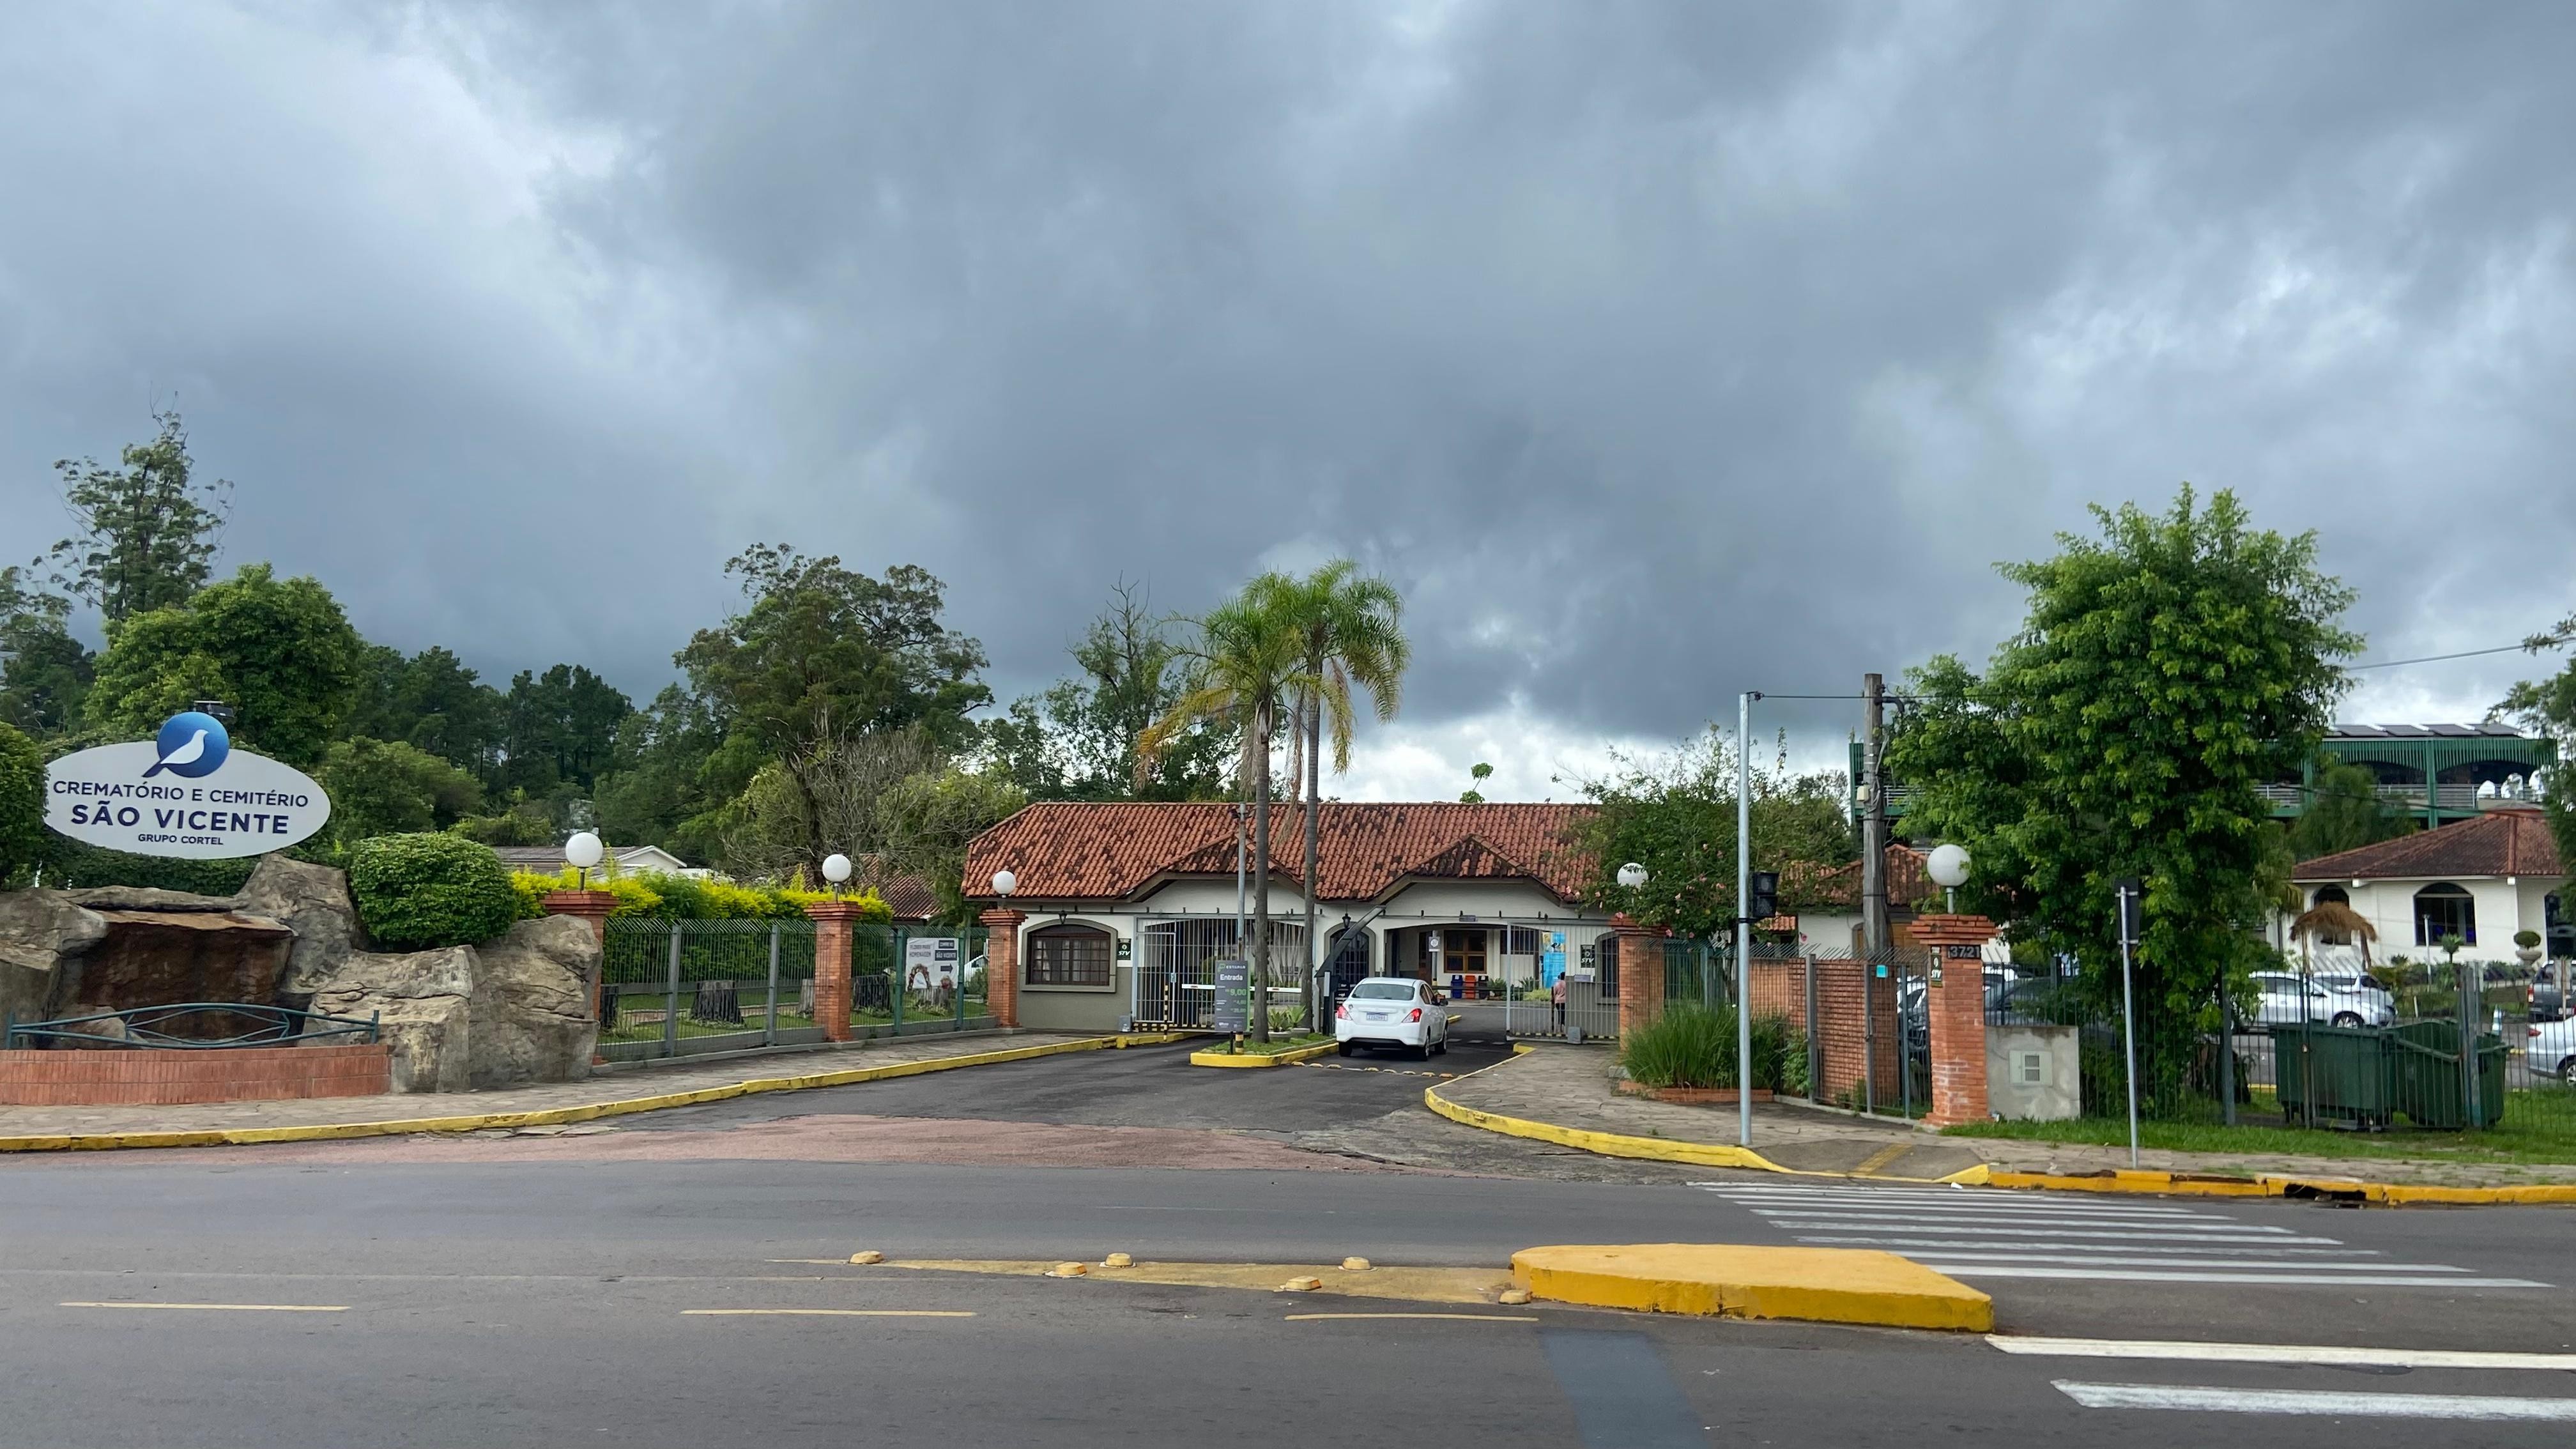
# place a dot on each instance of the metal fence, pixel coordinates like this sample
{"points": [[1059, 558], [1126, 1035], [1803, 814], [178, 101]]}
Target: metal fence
{"points": [[1173, 985], [2379, 1052], [679, 988]]}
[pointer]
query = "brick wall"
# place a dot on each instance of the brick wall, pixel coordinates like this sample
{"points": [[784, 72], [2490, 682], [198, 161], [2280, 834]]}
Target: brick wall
{"points": [[141, 1078], [1850, 1001]]}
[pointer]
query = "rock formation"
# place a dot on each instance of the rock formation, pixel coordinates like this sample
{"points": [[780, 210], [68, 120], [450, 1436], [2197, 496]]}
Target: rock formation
{"points": [[313, 902]]}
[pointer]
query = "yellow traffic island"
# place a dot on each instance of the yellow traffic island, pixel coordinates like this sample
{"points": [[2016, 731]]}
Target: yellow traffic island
{"points": [[1728, 1280], [1221, 1057]]}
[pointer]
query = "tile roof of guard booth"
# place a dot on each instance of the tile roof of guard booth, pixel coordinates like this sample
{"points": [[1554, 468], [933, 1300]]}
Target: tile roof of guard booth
{"points": [[1072, 850]]}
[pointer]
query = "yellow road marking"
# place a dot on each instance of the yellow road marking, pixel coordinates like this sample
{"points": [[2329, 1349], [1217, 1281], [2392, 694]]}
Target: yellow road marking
{"points": [[824, 1313], [221, 1307], [1871, 1164], [1445, 1317]]}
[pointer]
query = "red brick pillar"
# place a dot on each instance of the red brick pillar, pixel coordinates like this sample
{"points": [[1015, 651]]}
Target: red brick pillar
{"points": [[591, 906], [1956, 1002], [1641, 973], [832, 940], [1002, 965]]}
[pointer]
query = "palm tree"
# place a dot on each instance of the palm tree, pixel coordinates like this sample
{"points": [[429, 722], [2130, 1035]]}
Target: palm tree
{"points": [[1244, 667], [1349, 632]]}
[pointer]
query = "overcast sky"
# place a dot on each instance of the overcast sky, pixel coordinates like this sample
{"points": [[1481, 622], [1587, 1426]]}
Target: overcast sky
{"points": [[1657, 352]]}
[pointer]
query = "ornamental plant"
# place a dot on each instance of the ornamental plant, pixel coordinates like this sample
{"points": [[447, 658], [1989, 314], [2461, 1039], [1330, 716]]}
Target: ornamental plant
{"points": [[420, 892]]}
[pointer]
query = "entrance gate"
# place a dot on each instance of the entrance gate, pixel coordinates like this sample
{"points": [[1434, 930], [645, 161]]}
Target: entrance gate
{"points": [[1174, 984], [1590, 970]]}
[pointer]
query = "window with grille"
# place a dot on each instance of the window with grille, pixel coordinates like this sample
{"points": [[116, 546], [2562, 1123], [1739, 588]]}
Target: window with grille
{"points": [[1069, 956]]}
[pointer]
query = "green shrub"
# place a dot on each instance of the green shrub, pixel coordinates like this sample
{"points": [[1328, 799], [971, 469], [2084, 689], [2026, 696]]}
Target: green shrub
{"points": [[1691, 1045], [70, 864], [22, 803], [416, 892]]}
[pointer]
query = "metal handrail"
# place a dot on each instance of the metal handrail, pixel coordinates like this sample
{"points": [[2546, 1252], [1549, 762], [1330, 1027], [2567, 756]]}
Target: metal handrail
{"points": [[277, 1025]]}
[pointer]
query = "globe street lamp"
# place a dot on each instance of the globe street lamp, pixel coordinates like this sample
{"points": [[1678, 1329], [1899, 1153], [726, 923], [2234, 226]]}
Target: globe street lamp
{"points": [[1632, 875], [1949, 870], [583, 852], [1004, 883], [836, 869]]}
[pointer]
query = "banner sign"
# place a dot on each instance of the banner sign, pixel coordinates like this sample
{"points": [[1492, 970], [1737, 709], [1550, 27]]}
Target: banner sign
{"points": [[186, 793], [930, 962]]}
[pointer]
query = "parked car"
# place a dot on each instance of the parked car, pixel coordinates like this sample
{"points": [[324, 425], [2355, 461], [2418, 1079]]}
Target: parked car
{"points": [[2547, 1002], [2550, 1048], [2337, 999], [1391, 1011]]}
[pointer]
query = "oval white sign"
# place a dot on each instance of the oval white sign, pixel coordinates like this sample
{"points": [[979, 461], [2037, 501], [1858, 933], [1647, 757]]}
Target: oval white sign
{"points": [[132, 797]]}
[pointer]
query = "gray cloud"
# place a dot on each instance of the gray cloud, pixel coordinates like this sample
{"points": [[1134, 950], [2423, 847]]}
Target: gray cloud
{"points": [[1658, 351]]}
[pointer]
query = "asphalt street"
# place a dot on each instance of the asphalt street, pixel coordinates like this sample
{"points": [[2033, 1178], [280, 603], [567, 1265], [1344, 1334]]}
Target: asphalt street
{"points": [[346, 1300]]}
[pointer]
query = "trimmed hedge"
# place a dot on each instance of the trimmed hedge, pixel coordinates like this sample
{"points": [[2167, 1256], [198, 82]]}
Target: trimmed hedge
{"points": [[656, 896], [418, 892]]}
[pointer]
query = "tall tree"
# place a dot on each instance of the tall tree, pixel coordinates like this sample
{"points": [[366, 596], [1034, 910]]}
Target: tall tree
{"points": [[1675, 815], [1349, 632], [2166, 670], [435, 704], [1244, 668], [2547, 707], [380, 787], [279, 651], [22, 804], [559, 727], [2343, 811], [147, 529], [1077, 741], [658, 789], [44, 672], [820, 649]]}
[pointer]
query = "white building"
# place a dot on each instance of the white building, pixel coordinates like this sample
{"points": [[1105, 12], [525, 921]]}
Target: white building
{"points": [[2482, 880]]}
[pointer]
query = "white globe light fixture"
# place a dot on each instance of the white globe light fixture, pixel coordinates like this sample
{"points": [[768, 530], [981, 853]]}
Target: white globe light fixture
{"points": [[583, 852], [1632, 875], [1004, 883], [1948, 868], [836, 869]]}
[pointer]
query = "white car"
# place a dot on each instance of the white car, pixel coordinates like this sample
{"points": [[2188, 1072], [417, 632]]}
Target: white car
{"points": [[2333, 999], [2550, 1049], [1392, 1011]]}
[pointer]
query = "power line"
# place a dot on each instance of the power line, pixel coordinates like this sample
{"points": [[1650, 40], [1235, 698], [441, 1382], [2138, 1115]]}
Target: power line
{"points": [[2463, 654]]}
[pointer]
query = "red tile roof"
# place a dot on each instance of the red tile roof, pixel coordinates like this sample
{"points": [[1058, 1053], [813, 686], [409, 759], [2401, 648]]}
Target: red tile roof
{"points": [[1071, 850], [1909, 879], [910, 897], [2498, 843]]}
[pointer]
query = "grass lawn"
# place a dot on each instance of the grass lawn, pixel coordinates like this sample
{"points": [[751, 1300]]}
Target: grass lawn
{"points": [[2533, 1131]]}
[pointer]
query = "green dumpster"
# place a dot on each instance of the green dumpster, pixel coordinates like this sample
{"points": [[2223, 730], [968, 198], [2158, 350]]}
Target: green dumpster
{"points": [[2424, 1070], [2340, 1074]]}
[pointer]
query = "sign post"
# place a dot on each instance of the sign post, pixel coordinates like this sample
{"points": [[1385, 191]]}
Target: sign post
{"points": [[1233, 1000], [185, 793], [2130, 891]]}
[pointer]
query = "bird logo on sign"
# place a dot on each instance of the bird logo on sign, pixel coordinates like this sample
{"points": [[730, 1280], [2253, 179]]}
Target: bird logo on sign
{"points": [[191, 745]]}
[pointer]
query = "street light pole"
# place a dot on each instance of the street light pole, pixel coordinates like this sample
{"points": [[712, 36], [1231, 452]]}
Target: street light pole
{"points": [[1743, 920], [2128, 890]]}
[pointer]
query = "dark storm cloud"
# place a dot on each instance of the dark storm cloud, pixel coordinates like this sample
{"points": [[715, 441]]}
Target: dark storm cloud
{"points": [[1657, 351]]}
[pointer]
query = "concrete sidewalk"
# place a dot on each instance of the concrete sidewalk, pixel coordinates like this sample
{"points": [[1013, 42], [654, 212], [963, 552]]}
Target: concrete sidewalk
{"points": [[1572, 1088], [20, 1126]]}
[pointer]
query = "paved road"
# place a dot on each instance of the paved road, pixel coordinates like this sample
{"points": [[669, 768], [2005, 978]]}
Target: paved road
{"points": [[559, 1298]]}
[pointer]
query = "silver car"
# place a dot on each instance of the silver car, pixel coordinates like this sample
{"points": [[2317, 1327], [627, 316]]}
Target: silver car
{"points": [[2335, 998]]}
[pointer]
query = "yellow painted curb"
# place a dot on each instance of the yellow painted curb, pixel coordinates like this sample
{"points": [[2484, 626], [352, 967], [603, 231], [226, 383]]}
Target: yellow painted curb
{"points": [[556, 1116], [1262, 1059], [1649, 1149], [1728, 1280], [2185, 1184]]}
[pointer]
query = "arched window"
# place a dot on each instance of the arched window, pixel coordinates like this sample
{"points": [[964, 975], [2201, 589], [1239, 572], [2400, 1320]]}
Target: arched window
{"points": [[1069, 955], [2335, 894], [2443, 909]]}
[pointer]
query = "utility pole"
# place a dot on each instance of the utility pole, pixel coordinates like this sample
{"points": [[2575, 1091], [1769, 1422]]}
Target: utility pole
{"points": [[1873, 822]]}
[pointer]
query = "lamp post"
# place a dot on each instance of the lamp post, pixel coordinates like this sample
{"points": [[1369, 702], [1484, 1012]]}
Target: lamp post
{"points": [[1948, 867], [836, 869], [583, 852], [1743, 915]]}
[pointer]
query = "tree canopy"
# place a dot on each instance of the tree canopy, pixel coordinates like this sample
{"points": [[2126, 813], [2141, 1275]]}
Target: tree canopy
{"points": [[1077, 741], [2343, 811], [2547, 707], [147, 528], [1675, 815], [279, 651], [2165, 670]]}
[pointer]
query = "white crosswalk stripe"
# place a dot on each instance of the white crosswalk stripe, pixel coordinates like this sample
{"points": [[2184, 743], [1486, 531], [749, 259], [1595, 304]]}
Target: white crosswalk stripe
{"points": [[1977, 1233], [2337, 1401]]}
